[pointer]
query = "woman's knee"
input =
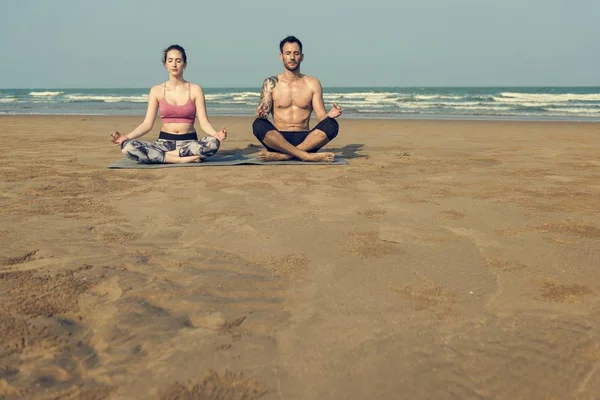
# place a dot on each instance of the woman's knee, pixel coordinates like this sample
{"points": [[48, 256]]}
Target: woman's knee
{"points": [[209, 145], [128, 148], [137, 151], [212, 143]]}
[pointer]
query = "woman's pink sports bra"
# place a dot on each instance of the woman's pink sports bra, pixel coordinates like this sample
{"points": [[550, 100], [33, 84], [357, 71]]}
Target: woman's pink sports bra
{"points": [[177, 114]]}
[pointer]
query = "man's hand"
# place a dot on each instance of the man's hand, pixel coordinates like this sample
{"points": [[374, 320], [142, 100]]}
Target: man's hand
{"points": [[221, 135], [335, 112], [117, 138]]}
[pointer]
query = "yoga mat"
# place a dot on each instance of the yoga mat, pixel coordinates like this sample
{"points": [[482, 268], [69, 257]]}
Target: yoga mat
{"points": [[220, 161]]}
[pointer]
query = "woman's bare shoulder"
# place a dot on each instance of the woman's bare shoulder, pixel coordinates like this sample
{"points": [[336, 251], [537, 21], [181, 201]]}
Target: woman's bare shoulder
{"points": [[195, 87], [159, 87], [157, 91]]}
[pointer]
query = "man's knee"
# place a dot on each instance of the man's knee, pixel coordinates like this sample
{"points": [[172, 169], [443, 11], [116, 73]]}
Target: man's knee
{"points": [[256, 125], [330, 127], [260, 128]]}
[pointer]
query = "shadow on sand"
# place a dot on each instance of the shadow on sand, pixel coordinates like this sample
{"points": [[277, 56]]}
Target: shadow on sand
{"points": [[349, 151]]}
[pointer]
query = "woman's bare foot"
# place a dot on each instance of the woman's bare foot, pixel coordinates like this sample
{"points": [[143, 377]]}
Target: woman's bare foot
{"points": [[270, 156], [175, 159], [327, 157]]}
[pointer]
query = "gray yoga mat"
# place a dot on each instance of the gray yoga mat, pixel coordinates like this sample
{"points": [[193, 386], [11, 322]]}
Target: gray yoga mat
{"points": [[222, 160]]}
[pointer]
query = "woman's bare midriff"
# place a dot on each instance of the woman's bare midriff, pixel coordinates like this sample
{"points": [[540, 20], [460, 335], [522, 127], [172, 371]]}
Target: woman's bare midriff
{"points": [[177, 128]]}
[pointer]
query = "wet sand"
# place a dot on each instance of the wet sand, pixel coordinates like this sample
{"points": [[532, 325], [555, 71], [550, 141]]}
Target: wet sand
{"points": [[449, 260]]}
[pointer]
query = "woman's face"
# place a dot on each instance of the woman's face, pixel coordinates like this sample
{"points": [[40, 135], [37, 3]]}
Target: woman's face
{"points": [[174, 63]]}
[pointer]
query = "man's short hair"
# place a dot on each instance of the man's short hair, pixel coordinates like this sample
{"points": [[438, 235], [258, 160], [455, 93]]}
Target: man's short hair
{"points": [[290, 39]]}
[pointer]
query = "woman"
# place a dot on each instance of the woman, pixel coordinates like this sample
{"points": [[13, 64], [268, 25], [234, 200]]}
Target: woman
{"points": [[179, 102]]}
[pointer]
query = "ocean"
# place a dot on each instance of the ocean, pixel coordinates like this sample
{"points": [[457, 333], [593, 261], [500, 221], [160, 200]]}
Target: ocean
{"points": [[489, 103]]}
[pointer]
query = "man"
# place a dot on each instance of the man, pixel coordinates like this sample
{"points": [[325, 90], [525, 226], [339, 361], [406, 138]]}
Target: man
{"points": [[291, 97]]}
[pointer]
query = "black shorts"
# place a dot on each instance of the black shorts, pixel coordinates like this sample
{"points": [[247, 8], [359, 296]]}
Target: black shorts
{"points": [[261, 126]]}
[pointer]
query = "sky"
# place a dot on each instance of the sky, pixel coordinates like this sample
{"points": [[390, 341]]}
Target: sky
{"points": [[235, 43]]}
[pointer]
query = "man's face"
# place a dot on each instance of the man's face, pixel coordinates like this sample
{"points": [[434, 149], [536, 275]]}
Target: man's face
{"points": [[291, 56]]}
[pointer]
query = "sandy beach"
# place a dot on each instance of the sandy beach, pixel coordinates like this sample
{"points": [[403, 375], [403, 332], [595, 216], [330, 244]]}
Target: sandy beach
{"points": [[448, 260]]}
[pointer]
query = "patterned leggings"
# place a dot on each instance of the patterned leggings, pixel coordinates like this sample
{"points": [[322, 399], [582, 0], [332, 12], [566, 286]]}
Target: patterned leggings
{"points": [[154, 152]]}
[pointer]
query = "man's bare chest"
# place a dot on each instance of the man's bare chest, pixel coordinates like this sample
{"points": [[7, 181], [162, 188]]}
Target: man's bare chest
{"points": [[286, 96]]}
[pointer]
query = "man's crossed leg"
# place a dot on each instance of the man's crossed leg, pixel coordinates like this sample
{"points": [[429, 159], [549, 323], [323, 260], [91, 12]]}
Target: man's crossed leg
{"points": [[303, 145]]}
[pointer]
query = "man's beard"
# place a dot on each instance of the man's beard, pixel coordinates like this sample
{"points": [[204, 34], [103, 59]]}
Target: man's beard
{"points": [[292, 68]]}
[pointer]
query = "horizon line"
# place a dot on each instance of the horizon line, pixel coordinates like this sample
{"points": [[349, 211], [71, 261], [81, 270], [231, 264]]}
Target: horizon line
{"points": [[328, 87]]}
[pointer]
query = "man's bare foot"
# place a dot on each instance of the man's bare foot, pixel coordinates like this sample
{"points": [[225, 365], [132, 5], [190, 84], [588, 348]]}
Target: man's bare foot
{"points": [[270, 156], [327, 157]]}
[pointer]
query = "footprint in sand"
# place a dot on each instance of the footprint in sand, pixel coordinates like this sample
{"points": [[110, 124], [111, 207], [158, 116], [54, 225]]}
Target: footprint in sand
{"points": [[574, 228], [451, 215], [428, 296], [30, 256], [372, 214], [561, 292], [370, 245], [229, 326], [291, 265], [25, 283], [503, 264], [217, 386]]}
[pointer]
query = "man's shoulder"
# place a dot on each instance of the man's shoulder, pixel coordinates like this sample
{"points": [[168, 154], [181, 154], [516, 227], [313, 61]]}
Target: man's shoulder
{"points": [[311, 80], [272, 78], [309, 77], [270, 82]]}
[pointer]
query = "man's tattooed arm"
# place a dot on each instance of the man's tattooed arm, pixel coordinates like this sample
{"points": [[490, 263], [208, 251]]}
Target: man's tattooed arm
{"points": [[265, 105]]}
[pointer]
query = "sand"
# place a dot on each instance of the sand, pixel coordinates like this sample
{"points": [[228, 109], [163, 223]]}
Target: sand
{"points": [[449, 260]]}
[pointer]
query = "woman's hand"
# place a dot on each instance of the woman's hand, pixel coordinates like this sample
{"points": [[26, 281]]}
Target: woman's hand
{"points": [[117, 138], [222, 134]]}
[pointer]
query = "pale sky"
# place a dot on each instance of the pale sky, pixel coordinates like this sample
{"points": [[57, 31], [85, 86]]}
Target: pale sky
{"points": [[234, 43]]}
